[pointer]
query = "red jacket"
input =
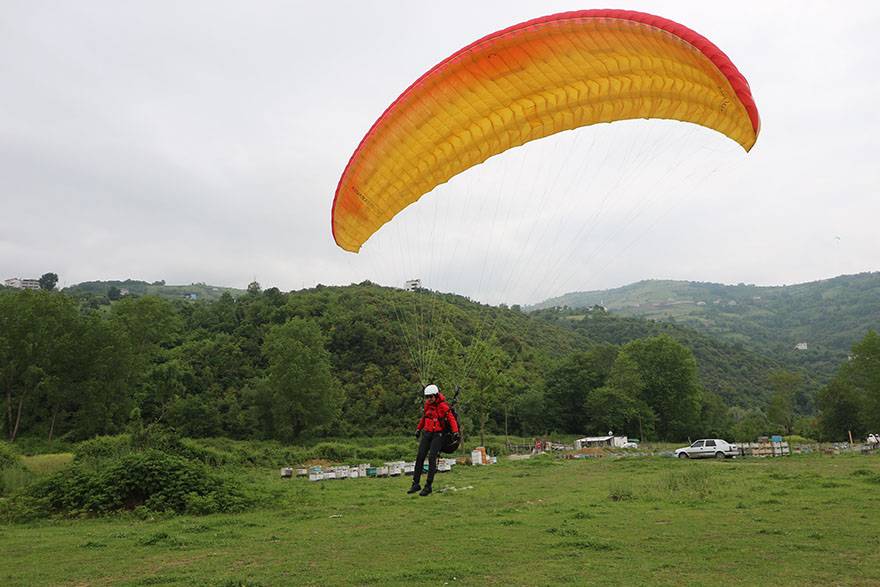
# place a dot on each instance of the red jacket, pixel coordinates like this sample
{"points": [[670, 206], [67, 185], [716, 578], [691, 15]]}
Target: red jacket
{"points": [[436, 416]]}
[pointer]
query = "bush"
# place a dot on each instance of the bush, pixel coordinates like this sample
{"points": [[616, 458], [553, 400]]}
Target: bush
{"points": [[153, 479], [20, 508], [333, 451], [620, 492], [388, 452], [153, 437], [8, 457], [12, 472], [102, 447]]}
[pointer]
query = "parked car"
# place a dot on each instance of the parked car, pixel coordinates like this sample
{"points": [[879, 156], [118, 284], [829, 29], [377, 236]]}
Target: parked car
{"points": [[708, 448]]}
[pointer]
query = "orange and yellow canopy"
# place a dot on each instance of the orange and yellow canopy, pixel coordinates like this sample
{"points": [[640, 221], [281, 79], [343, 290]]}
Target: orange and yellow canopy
{"points": [[527, 82]]}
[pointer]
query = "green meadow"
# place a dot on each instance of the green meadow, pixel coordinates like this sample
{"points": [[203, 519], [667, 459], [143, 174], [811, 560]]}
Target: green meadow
{"points": [[802, 520]]}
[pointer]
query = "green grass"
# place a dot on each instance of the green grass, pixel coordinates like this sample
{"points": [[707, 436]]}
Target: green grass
{"points": [[808, 520], [48, 463]]}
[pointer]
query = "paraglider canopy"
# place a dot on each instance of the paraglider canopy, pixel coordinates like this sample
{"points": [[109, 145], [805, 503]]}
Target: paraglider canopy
{"points": [[530, 81]]}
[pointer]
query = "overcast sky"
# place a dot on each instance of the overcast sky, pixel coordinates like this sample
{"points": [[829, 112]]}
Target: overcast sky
{"points": [[202, 142]]}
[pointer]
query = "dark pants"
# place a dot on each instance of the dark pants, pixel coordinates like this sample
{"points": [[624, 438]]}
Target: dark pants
{"points": [[429, 445]]}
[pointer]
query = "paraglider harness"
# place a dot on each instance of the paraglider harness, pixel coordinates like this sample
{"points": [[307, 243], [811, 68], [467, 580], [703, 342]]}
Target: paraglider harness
{"points": [[452, 440]]}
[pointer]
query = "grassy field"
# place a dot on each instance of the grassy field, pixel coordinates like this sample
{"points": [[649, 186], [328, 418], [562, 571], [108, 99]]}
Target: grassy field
{"points": [[803, 520]]}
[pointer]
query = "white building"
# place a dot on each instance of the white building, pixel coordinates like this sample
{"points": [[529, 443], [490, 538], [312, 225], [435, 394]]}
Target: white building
{"points": [[19, 283], [801, 346], [598, 441], [413, 285]]}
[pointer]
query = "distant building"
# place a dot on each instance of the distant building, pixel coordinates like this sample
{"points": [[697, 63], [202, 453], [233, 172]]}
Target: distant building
{"points": [[599, 441], [801, 346], [19, 283], [124, 291], [413, 285], [701, 303]]}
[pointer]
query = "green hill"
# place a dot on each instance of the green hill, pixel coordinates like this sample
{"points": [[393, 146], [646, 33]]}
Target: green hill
{"points": [[193, 291], [206, 368], [828, 315], [732, 370]]}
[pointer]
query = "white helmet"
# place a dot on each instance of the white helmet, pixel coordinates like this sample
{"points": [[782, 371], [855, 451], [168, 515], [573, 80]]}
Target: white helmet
{"points": [[432, 390]]}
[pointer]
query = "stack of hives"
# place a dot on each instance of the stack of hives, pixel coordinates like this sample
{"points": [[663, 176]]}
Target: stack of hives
{"points": [[389, 469], [765, 449], [480, 457]]}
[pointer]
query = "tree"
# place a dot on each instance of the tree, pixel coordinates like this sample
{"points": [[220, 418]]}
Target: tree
{"points": [[840, 410], [851, 401], [715, 419], [617, 406], [570, 382], [669, 372], [479, 370], [114, 293], [95, 393], [785, 386], [37, 339], [611, 409], [531, 412], [748, 425], [48, 281], [150, 323], [151, 327], [864, 373], [301, 391]]}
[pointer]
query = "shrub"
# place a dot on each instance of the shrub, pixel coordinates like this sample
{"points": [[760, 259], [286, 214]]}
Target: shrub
{"points": [[333, 451], [153, 479], [20, 508], [620, 492], [102, 447], [388, 452], [8, 457], [12, 472], [153, 437]]}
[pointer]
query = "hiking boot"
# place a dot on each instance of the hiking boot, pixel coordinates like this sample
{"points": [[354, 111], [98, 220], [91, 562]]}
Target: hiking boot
{"points": [[415, 487], [425, 491]]}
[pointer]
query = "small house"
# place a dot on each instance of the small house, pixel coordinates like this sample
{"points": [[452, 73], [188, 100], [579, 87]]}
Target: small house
{"points": [[609, 441]]}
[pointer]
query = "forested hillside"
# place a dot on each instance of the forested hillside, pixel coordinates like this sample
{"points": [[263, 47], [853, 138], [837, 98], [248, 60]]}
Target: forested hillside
{"points": [[105, 291], [733, 371], [351, 361], [828, 315]]}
